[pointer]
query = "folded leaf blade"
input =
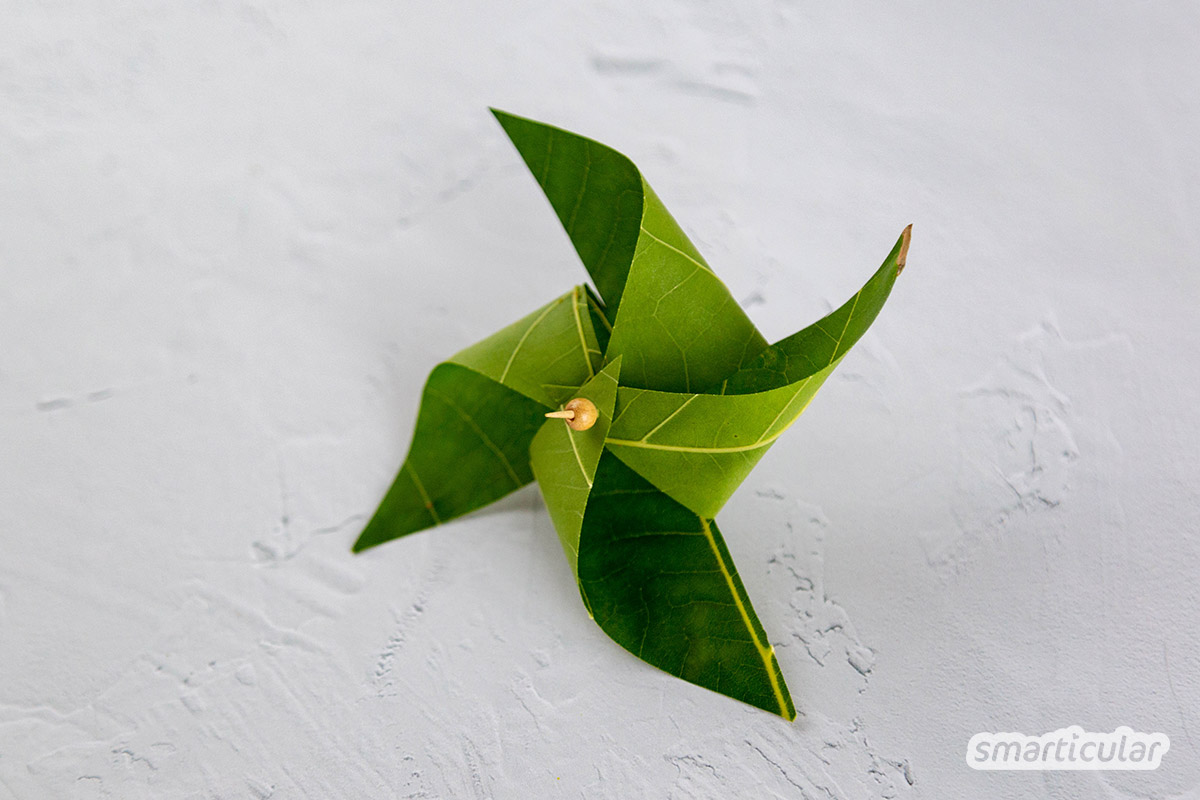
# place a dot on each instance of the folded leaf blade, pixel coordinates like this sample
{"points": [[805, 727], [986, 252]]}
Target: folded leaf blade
{"points": [[595, 191], [470, 447], [544, 355], [678, 327], [564, 460], [673, 320], [698, 448], [828, 339], [660, 582], [479, 413]]}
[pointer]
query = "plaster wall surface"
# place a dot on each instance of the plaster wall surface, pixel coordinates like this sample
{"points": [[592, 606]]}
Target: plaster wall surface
{"points": [[236, 236]]}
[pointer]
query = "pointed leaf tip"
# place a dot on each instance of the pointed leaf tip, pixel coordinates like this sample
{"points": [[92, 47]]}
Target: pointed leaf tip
{"points": [[661, 583], [901, 259], [506, 118]]}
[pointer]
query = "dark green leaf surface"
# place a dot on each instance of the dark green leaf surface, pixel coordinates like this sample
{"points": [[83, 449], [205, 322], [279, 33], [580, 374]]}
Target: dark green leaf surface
{"points": [[470, 447], [595, 191], [659, 580]]}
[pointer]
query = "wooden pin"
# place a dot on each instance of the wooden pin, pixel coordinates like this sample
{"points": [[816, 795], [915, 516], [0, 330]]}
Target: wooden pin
{"points": [[580, 414]]}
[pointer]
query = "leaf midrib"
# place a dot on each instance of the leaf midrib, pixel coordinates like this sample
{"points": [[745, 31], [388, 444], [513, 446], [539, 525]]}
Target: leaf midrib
{"points": [[765, 651]]}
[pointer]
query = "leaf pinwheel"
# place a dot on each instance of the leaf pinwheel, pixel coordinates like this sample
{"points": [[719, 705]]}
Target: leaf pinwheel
{"points": [[662, 395]]}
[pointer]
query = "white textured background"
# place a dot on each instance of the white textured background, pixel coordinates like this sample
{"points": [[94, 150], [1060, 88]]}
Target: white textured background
{"points": [[236, 236]]}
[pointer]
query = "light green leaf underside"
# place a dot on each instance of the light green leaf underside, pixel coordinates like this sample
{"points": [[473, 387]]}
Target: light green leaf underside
{"points": [[659, 580], [697, 448], [544, 355], [564, 460], [678, 328]]}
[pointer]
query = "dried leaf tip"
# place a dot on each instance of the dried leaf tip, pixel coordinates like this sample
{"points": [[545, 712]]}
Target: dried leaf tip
{"points": [[901, 259], [580, 414]]}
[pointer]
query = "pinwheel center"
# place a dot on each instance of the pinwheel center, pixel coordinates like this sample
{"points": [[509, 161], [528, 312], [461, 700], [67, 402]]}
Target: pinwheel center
{"points": [[579, 414]]}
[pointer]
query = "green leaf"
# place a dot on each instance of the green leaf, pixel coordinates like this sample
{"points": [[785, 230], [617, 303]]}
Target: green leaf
{"points": [[823, 343], [470, 447], [659, 580], [564, 460], [600, 321], [678, 327], [697, 448], [674, 321], [544, 356], [595, 191], [479, 413], [656, 577]]}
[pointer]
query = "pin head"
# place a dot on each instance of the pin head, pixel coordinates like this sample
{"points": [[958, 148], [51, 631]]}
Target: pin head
{"points": [[580, 414]]}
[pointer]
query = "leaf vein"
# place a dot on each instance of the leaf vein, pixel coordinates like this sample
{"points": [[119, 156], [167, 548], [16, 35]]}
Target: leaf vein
{"points": [[765, 651], [670, 246], [512, 473], [412, 473], [524, 336], [579, 327]]}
